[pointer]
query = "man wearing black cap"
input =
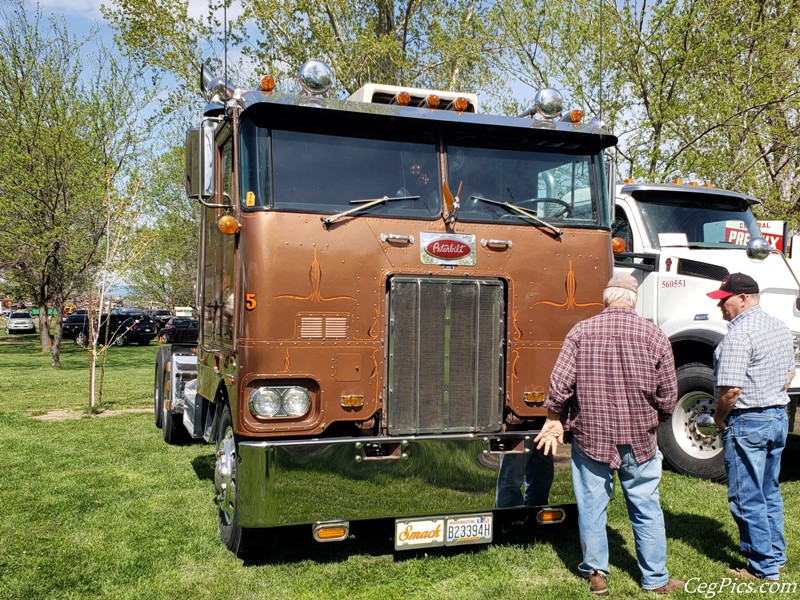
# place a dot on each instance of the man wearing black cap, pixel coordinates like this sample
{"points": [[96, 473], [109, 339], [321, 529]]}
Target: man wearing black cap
{"points": [[753, 366]]}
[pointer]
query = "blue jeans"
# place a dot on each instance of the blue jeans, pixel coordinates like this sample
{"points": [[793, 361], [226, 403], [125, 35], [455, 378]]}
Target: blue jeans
{"points": [[534, 469], [593, 482], [753, 442]]}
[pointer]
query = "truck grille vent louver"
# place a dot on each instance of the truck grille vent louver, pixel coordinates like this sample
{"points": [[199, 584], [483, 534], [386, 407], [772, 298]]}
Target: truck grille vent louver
{"points": [[323, 327], [445, 355], [696, 268]]}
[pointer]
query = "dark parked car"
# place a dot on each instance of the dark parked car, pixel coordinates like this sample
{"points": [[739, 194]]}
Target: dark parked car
{"points": [[122, 327], [179, 330]]}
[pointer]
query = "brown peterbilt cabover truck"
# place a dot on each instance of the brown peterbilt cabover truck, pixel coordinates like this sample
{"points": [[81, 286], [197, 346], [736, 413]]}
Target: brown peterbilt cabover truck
{"points": [[384, 284]]}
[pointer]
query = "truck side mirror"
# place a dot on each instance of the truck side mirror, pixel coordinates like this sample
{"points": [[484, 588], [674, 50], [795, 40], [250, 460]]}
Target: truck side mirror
{"points": [[200, 162]]}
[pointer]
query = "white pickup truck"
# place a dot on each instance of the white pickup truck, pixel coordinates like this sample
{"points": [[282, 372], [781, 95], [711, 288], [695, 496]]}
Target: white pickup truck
{"points": [[679, 241]]}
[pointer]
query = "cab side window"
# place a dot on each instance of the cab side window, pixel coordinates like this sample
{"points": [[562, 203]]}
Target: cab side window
{"points": [[621, 227]]}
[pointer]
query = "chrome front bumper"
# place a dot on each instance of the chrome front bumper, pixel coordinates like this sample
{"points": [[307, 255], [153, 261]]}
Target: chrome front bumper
{"points": [[302, 482]]}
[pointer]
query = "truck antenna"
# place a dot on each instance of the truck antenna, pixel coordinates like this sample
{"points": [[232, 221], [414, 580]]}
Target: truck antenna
{"points": [[600, 65], [225, 38]]}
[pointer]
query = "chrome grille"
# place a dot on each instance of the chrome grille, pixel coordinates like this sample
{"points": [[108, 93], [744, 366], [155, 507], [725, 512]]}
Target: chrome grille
{"points": [[445, 355]]}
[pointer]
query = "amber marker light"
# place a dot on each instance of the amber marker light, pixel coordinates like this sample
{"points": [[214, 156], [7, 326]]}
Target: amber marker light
{"points": [[694, 183], [628, 180], [432, 101], [352, 401], [331, 532], [461, 104], [536, 398], [551, 516], [677, 181], [708, 185], [576, 115], [267, 83], [402, 98], [228, 224], [617, 245]]}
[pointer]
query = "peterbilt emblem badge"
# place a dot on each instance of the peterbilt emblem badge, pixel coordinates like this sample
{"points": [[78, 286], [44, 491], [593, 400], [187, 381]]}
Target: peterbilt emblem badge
{"points": [[448, 249]]}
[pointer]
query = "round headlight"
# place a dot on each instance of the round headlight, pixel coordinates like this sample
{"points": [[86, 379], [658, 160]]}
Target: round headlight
{"points": [[265, 402], [296, 402]]}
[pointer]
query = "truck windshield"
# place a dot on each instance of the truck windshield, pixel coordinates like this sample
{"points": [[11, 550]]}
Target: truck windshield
{"points": [[324, 173], [707, 221], [555, 187]]}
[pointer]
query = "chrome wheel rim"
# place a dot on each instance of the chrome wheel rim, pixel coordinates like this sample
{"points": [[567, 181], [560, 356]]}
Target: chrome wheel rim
{"points": [[225, 476], [684, 426]]}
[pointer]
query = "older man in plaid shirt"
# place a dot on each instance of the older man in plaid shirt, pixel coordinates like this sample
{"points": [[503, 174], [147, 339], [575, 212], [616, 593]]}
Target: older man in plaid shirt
{"points": [[753, 366], [612, 384]]}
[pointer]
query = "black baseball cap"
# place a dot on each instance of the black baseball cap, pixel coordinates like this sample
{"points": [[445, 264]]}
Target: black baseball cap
{"points": [[733, 284]]}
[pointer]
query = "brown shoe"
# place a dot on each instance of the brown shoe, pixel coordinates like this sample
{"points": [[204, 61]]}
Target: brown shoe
{"points": [[746, 573], [673, 585], [597, 584]]}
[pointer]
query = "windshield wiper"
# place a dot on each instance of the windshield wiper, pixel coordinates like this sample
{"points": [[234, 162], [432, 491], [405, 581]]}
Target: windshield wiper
{"points": [[362, 205], [520, 210]]}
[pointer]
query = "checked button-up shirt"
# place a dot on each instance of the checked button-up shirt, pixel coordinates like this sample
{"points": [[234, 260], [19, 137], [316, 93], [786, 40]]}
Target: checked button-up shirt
{"points": [[756, 356], [613, 383]]}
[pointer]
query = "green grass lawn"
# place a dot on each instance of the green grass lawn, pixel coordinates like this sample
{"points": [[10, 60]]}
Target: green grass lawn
{"points": [[100, 507]]}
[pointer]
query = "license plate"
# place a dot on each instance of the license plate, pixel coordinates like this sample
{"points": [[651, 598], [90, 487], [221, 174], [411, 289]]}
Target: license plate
{"points": [[475, 529], [443, 531]]}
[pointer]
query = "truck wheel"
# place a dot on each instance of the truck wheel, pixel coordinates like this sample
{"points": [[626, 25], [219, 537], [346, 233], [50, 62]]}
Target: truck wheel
{"points": [[120, 340], [82, 339], [162, 358], [172, 428], [237, 539], [685, 449]]}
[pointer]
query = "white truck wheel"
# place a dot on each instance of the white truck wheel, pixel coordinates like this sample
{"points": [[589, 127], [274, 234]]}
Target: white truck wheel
{"points": [[685, 449]]}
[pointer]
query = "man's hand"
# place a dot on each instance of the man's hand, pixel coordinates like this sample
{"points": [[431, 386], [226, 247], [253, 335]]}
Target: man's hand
{"points": [[726, 400], [551, 435], [720, 422]]}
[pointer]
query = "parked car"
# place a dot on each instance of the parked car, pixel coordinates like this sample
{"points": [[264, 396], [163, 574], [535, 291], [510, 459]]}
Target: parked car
{"points": [[160, 316], [179, 330], [121, 327], [20, 322]]}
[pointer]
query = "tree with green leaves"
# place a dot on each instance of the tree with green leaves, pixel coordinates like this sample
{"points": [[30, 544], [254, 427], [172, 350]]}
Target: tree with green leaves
{"points": [[72, 116], [166, 273], [446, 44], [696, 89]]}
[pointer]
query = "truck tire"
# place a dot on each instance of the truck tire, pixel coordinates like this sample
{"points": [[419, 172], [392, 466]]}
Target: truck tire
{"points": [[172, 429], [162, 358], [239, 540], [684, 448]]}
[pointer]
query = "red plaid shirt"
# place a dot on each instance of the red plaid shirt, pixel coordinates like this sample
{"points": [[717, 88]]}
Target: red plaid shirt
{"points": [[620, 369]]}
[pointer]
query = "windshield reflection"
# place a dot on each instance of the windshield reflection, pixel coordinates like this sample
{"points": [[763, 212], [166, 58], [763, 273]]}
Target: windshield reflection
{"points": [[708, 223]]}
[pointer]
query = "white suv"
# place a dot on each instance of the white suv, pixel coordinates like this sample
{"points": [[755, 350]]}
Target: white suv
{"points": [[20, 322]]}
